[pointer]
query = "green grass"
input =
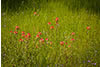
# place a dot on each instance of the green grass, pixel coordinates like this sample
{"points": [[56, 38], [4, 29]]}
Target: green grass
{"points": [[25, 54]]}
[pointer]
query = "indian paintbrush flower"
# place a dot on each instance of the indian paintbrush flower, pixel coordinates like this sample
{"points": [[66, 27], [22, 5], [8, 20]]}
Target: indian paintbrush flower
{"points": [[17, 27], [61, 43], [57, 19], [49, 23], [52, 27], [15, 32], [88, 27]]}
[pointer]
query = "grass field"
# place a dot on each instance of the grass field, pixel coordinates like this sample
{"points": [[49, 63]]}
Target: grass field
{"points": [[53, 36]]}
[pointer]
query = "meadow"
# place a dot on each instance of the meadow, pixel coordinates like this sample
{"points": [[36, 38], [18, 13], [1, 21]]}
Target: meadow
{"points": [[51, 34]]}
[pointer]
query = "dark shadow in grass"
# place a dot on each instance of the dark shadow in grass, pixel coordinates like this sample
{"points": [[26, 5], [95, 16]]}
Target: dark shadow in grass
{"points": [[90, 5], [13, 5], [17, 5]]}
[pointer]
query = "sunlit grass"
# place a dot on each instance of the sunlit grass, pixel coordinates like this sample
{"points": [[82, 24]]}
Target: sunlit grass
{"points": [[31, 52]]}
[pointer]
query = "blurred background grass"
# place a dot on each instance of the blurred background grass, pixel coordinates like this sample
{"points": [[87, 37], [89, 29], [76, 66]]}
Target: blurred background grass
{"points": [[13, 5]]}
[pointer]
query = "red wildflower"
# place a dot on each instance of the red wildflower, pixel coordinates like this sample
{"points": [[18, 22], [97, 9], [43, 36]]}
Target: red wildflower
{"points": [[73, 33], [23, 32], [41, 40], [69, 45], [21, 40], [23, 35], [37, 36], [66, 43], [46, 39], [10, 31], [72, 39], [17, 27], [15, 32], [35, 13], [39, 33], [88, 28], [61, 43], [28, 34], [49, 23], [52, 27], [50, 43], [57, 19]]}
